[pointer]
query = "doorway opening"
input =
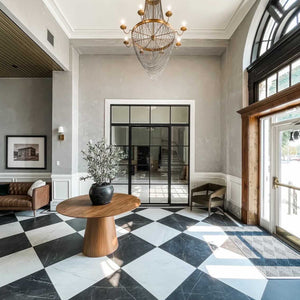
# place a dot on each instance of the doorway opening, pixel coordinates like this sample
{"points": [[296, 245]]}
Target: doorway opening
{"points": [[280, 174], [156, 140]]}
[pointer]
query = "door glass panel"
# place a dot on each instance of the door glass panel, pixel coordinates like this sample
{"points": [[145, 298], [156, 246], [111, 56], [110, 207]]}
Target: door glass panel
{"points": [[120, 135], [262, 90], [120, 114], [159, 136], [180, 136], [140, 114], [272, 83], [179, 194], [179, 155], [180, 114], [179, 174], [283, 78], [159, 194], [289, 166], [296, 72], [160, 114], [140, 136], [141, 191], [122, 177], [122, 189]]}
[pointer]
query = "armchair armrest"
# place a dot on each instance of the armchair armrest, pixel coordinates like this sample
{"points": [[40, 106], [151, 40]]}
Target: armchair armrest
{"points": [[218, 193], [40, 196], [201, 188]]}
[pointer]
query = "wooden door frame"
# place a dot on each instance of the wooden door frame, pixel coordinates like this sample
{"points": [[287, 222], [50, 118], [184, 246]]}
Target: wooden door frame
{"points": [[251, 115]]}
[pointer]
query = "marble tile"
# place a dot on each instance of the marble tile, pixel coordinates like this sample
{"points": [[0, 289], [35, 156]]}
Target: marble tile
{"points": [[173, 209], [7, 218], [123, 215], [159, 272], [178, 222], [132, 222], [188, 249], [10, 229], [130, 248], [119, 230], [77, 224], [39, 222], [28, 214], [154, 214], [59, 249], [48, 233], [236, 271], [139, 209], [75, 274], [13, 244], [156, 233], [34, 286], [219, 219], [196, 213], [18, 265], [208, 233], [117, 286], [287, 289], [64, 218], [201, 286]]}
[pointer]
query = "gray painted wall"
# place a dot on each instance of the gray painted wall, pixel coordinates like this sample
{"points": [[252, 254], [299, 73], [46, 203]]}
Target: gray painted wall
{"points": [[25, 109], [121, 77], [233, 88]]}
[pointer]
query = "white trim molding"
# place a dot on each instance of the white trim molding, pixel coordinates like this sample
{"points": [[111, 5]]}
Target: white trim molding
{"points": [[24, 177]]}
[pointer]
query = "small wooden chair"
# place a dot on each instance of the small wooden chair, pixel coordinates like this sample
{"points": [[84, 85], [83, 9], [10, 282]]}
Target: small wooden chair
{"points": [[214, 196]]}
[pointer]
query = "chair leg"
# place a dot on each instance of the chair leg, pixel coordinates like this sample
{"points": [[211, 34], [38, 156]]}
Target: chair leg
{"points": [[209, 211], [34, 212]]}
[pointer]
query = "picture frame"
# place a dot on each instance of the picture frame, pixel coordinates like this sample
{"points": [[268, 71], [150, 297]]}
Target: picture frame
{"points": [[26, 152]]}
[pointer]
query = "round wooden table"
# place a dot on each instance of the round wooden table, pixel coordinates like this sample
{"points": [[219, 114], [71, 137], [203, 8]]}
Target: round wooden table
{"points": [[100, 237]]}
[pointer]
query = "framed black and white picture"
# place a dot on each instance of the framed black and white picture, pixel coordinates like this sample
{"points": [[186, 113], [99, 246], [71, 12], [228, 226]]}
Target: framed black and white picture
{"points": [[25, 152]]}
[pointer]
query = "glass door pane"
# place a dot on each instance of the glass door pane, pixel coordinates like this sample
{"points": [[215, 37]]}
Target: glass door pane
{"points": [[289, 173]]}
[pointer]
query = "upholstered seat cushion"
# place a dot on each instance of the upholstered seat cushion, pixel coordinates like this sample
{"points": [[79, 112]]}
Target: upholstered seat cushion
{"points": [[15, 201]]}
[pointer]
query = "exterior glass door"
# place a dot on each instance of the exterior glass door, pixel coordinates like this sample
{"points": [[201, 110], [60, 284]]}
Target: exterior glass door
{"points": [[288, 174], [156, 140]]}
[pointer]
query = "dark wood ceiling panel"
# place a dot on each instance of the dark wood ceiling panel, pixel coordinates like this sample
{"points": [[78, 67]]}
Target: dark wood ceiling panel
{"points": [[20, 56]]}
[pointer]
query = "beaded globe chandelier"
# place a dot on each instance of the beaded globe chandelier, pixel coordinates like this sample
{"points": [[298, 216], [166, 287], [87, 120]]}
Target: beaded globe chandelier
{"points": [[153, 38]]}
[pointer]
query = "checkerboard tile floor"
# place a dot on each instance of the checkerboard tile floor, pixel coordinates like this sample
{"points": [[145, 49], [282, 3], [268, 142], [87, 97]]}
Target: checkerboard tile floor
{"points": [[164, 253]]}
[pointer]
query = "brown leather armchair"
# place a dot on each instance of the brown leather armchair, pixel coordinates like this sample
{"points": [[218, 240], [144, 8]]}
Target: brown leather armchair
{"points": [[19, 200], [209, 195]]}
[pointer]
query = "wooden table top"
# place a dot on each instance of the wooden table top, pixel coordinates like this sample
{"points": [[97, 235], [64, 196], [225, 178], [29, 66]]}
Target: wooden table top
{"points": [[82, 207]]}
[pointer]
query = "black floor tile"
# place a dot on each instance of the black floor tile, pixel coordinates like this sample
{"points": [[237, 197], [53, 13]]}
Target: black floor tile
{"points": [[14, 244], [219, 220], [35, 286], [132, 222], [139, 209], [284, 289], [173, 209], [178, 222], [35, 223], [78, 224], [200, 286], [188, 249], [8, 218], [59, 249], [118, 286], [130, 248]]}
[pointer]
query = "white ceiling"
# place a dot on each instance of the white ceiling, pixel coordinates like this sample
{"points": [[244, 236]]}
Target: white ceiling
{"points": [[100, 19]]}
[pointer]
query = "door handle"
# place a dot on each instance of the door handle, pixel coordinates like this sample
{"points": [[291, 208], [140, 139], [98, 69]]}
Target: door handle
{"points": [[277, 184]]}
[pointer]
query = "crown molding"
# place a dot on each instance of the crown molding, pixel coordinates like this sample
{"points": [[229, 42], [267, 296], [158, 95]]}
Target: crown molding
{"points": [[115, 33]]}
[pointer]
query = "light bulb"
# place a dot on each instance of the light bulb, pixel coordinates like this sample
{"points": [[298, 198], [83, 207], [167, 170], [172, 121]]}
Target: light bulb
{"points": [[122, 22], [141, 6], [183, 23], [126, 38], [178, 39], [169, 7]]}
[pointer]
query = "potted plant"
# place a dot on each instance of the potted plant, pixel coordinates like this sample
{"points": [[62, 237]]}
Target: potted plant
{"points": [[103, 166]]}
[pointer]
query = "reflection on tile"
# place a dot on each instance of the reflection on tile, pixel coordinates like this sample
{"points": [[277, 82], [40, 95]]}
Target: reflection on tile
{"points": [[119, 230], [156, 233], [75, 274], [42, 221], [64, 218], [13, 244], [118, 286], [10, 229], [59, 249], [28, 214], [34, 286], [77, 224], [196, 213], [123, 215], [208, 233], [154, 213], [189, 249], [48, 233], [162, 275], [18, 265], [201, 286], [7, 218], [132, 222], [236, 271], [178, 222]]}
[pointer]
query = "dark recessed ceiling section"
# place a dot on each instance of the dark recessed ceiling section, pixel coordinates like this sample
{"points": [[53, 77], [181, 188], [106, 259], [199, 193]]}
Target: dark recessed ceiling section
{"points": [[20, 56]]}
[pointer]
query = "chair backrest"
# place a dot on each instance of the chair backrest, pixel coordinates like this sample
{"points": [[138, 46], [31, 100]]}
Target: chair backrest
{"points": [[19, 188], [214, 187]]}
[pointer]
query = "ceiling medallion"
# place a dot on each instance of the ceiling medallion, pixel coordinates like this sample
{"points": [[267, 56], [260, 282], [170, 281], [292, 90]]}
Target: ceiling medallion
{"points": [[153, 38]]}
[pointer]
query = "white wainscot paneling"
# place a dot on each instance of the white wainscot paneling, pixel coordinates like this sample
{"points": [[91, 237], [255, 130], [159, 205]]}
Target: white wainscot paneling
{"points": [[61, 189], [234, 195]]}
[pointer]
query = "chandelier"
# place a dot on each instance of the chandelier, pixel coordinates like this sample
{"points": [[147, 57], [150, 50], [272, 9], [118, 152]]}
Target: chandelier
{"points": [[153, 38]]}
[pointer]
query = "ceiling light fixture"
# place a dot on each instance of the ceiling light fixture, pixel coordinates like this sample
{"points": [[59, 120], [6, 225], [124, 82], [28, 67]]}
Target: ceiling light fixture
{"points": [[153, 38]]}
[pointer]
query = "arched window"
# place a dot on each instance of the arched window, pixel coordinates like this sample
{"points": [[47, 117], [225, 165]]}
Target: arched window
{"points": [[275, 60], [281, 17]]}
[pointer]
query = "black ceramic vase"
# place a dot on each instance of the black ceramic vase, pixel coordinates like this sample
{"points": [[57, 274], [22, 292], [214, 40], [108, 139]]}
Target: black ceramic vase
{"points": [[101, 194]]}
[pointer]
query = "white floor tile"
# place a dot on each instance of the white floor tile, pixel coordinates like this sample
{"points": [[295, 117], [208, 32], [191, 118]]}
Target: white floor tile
{"points": [[159, 272], [10, 229], [18, 265], [48, 233], [208, 233], [196, 213], [154, 213], [75, 274], [156, 233], [28, 214], [123, 215], [120, 231], [236, 271], [64, 218]]}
